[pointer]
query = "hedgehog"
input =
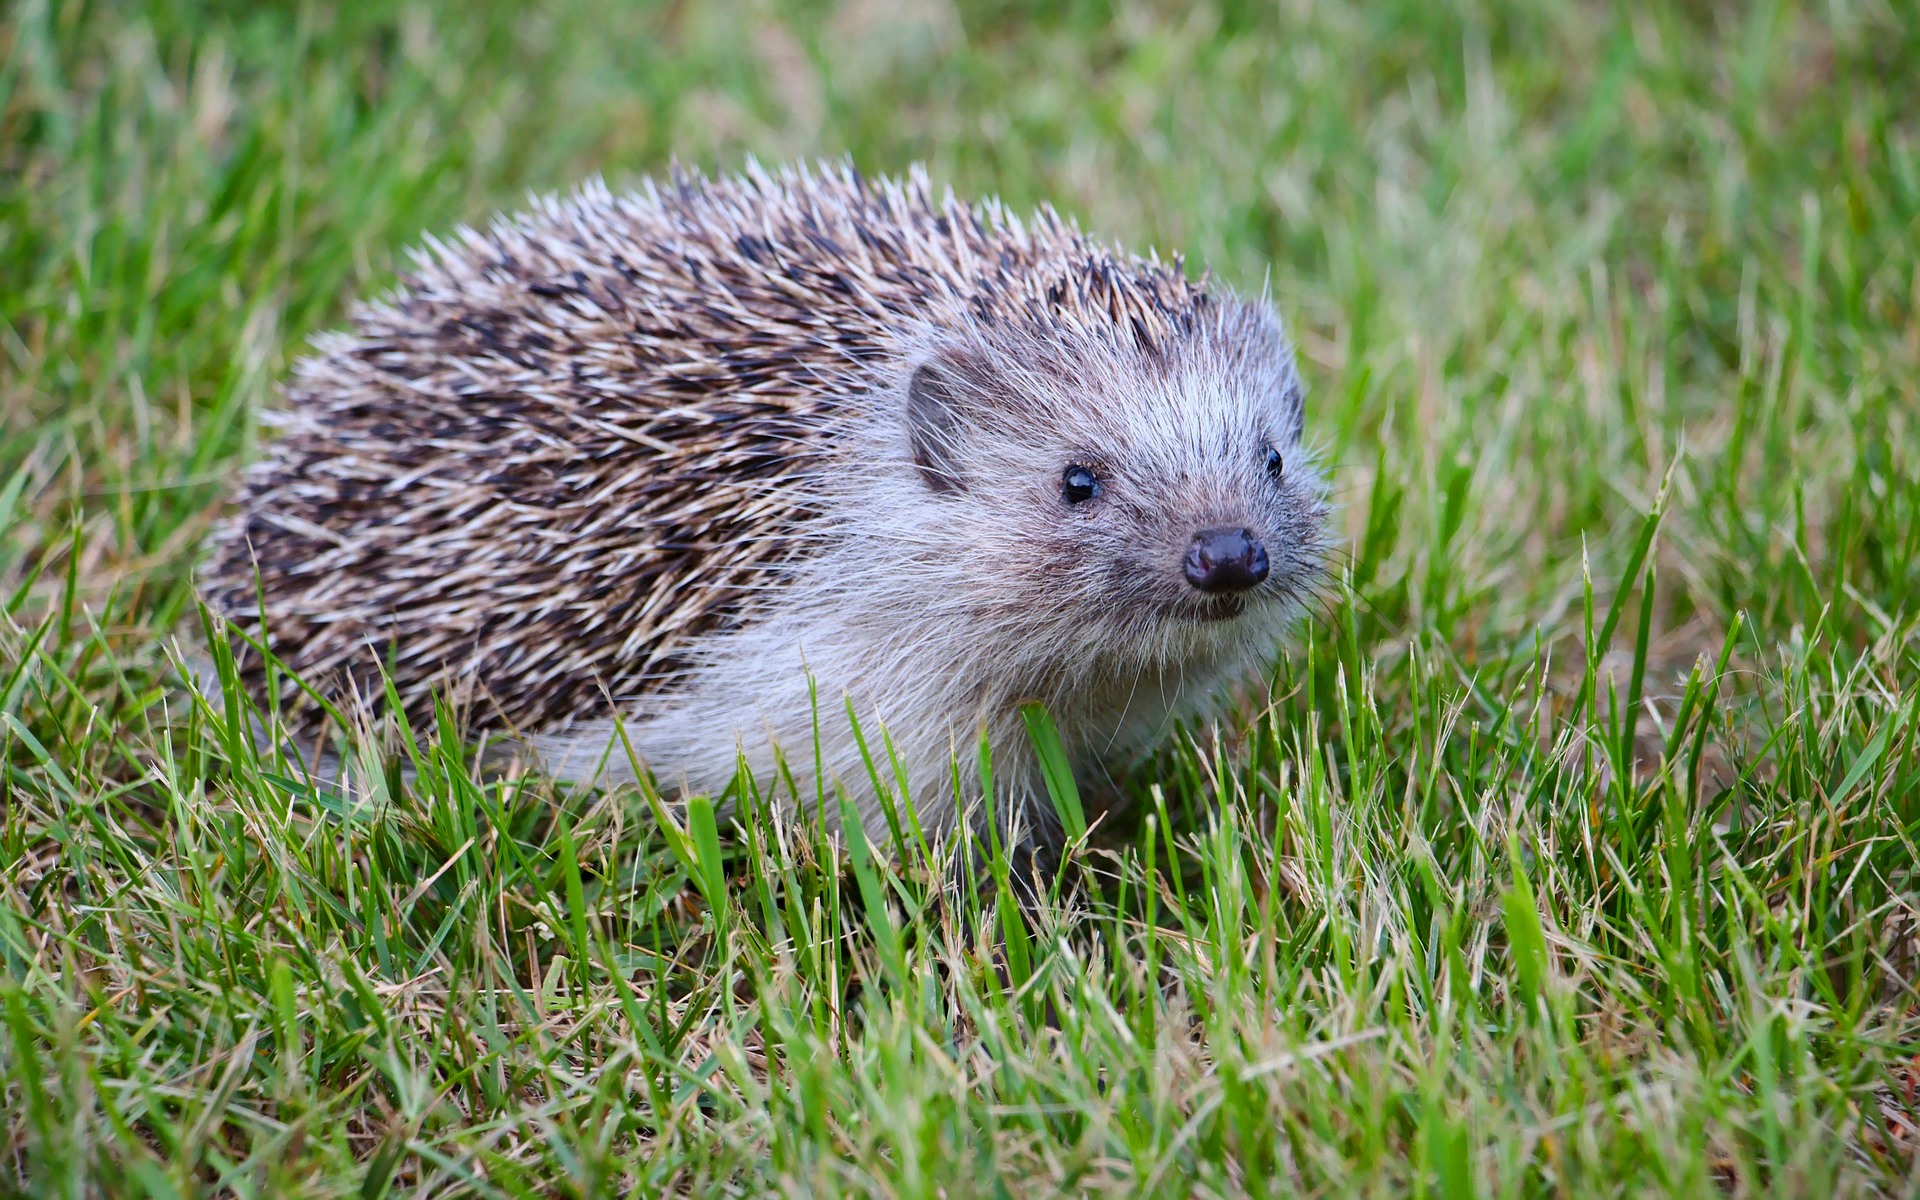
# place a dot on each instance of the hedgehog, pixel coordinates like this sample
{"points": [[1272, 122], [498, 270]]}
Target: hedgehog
{"points": [[780, 473]]}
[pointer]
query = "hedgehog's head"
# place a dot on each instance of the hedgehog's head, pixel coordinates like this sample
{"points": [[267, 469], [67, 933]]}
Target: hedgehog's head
{"points": [[1115, 501]]}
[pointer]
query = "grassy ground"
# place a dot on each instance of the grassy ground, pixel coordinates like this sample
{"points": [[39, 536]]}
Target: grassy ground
{"points": [[1574, 855]]}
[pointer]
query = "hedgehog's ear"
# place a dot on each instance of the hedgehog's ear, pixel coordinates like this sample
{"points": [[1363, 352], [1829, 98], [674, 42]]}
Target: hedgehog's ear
{"points": [[936, 404]]}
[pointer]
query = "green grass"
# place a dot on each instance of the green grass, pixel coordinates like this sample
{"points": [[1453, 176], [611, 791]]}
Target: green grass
{"points": [[1574, 855]]}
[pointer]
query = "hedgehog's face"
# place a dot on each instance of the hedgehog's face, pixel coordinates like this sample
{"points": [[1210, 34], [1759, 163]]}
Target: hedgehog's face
{"points": [[1154, 505]]}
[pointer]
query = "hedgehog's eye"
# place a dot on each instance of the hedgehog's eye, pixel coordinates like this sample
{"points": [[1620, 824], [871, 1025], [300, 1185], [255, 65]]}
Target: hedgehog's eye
{"points": [[1078, 484], [1275, 464]]}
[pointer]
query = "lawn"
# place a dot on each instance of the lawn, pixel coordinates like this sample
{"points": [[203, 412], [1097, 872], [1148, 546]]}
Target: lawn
{"points": [[1573, 851]]}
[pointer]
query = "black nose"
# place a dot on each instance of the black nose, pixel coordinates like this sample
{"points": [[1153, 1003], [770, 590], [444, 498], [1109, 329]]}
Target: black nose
{"points": [[1225, 560]]}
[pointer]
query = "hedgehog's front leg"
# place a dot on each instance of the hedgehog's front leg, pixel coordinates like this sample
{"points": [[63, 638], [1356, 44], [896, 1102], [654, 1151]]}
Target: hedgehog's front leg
{"points": [[805, 750]]}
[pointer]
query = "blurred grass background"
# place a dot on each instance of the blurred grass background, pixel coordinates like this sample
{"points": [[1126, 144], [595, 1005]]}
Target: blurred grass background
{"points": [[1553, 269]]}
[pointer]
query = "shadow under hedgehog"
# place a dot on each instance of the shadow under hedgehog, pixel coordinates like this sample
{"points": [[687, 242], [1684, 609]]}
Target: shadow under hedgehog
{"points": [[707, 458]]}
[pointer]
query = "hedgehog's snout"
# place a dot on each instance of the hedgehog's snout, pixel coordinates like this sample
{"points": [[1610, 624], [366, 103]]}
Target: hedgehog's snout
{"points": [[1225, 560]]}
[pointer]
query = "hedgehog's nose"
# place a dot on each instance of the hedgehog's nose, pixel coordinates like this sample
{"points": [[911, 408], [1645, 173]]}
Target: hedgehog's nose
{"points": [[1225, 560]]}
